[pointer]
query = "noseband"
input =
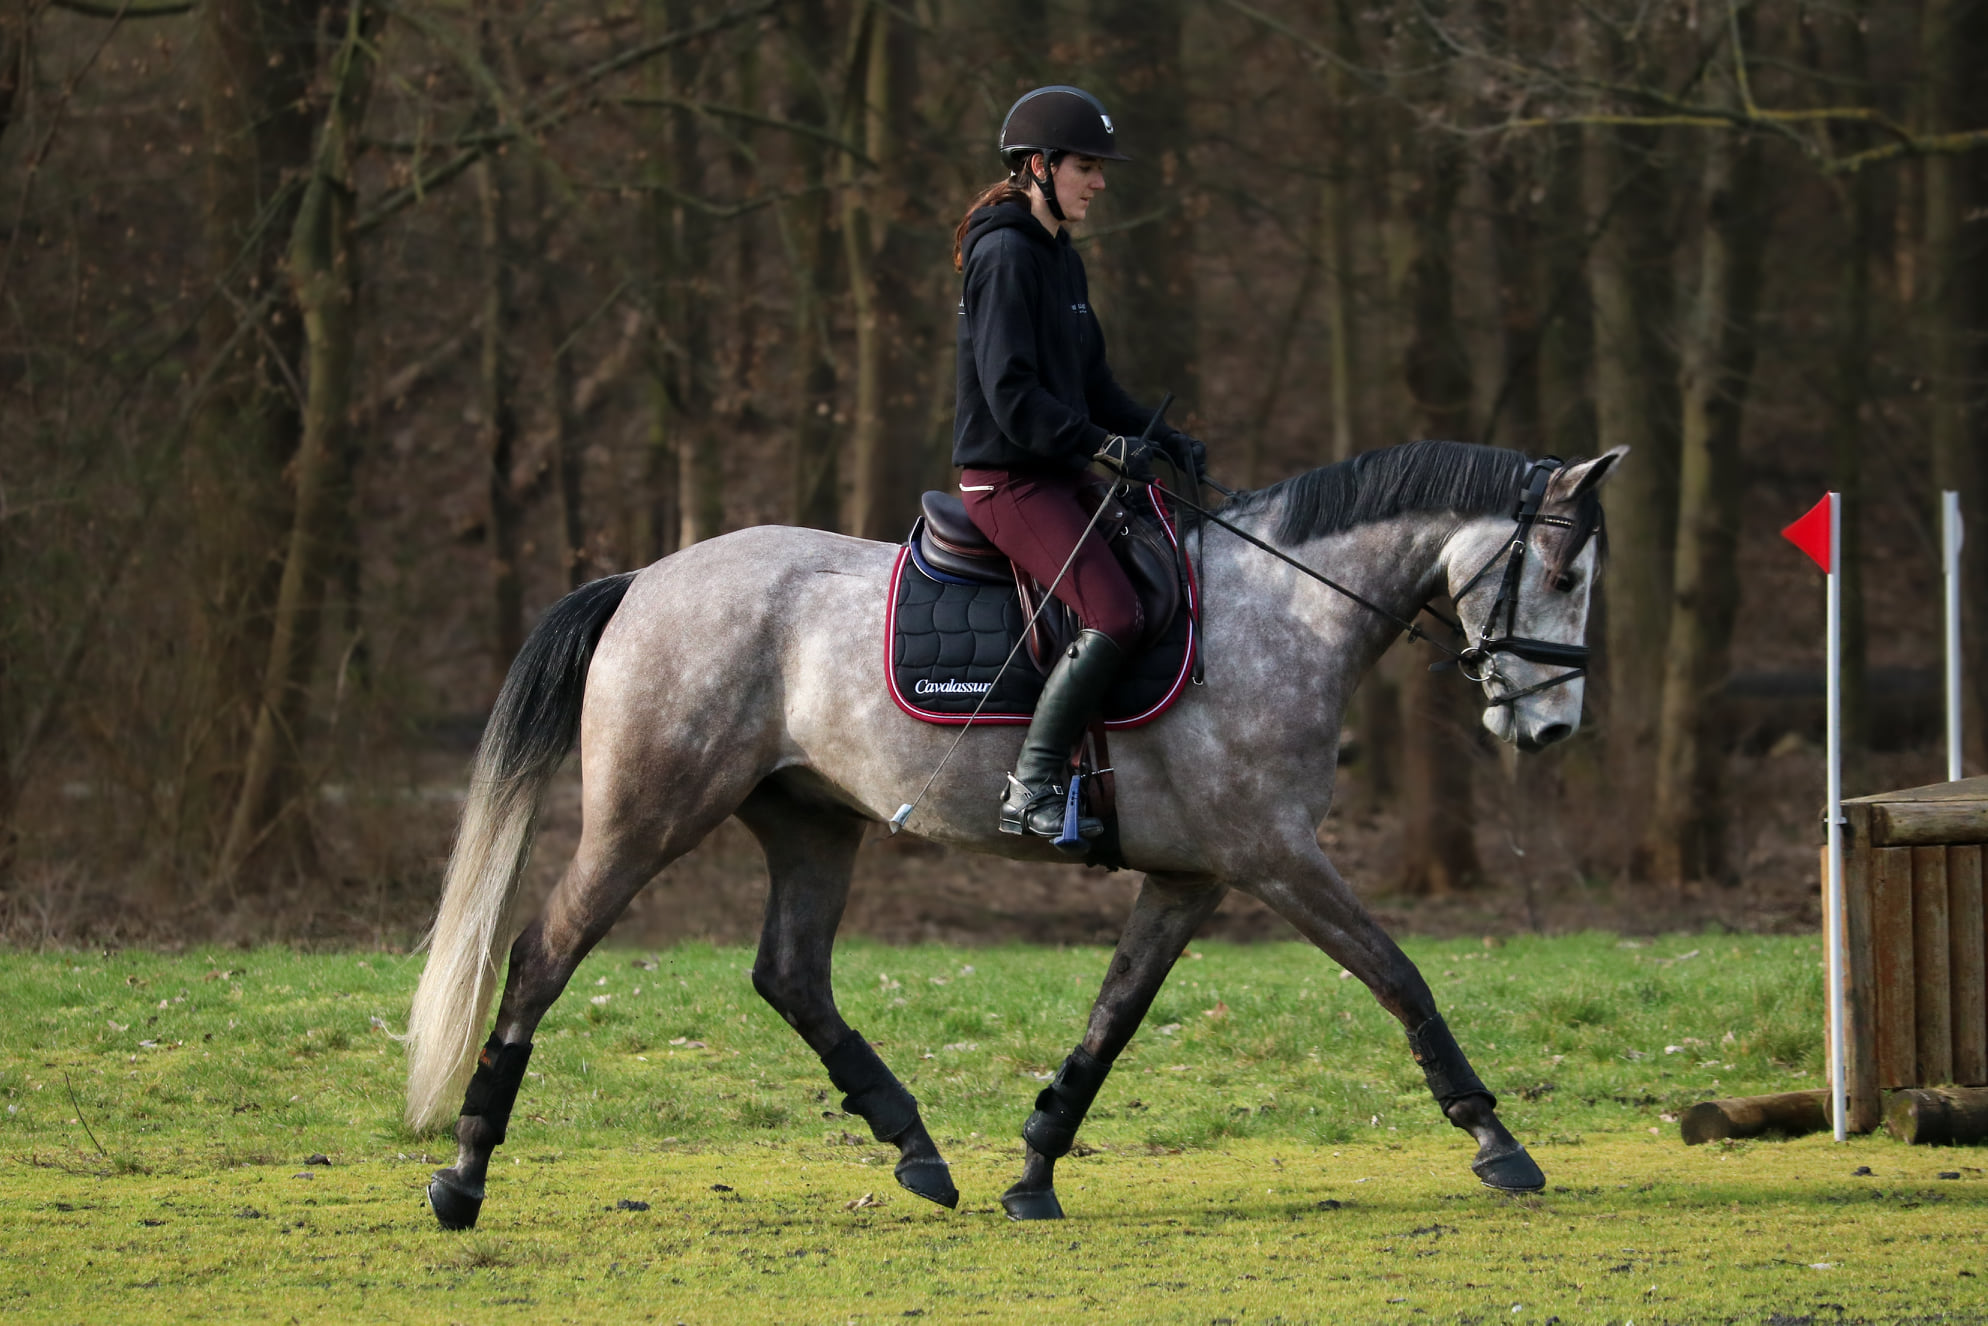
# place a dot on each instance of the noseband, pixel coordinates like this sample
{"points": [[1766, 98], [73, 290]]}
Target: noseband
{"points": [[1479, 661]]}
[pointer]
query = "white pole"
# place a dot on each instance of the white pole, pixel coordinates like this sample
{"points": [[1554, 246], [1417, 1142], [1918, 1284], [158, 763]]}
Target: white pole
{"points": [[1950, 537], [1833, 930]]}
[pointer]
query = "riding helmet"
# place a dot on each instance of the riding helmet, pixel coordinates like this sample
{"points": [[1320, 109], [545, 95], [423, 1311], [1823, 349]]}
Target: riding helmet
{"points": [[1057, 120]]}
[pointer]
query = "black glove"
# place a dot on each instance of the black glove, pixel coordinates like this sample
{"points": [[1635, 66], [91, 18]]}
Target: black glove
{"points": [[1129, 458], [1190, 454]]}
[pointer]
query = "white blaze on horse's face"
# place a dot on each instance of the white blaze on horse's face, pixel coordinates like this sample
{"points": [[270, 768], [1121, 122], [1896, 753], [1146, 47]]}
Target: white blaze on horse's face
{"points": [[1551, 605]]}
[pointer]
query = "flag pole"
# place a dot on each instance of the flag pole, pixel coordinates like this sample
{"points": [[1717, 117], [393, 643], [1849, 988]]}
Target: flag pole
{"points": [[1833, 671], [1950, 537]]}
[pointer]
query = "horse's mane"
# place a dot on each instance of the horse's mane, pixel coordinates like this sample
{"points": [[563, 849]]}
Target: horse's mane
{"points": [[1379, 485]]}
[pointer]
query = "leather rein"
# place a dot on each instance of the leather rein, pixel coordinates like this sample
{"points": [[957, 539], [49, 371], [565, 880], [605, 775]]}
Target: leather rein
{"points": [[1479, 661]]}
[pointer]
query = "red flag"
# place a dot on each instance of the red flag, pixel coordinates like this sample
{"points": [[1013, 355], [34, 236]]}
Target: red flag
{"points": [[1811, 532]]}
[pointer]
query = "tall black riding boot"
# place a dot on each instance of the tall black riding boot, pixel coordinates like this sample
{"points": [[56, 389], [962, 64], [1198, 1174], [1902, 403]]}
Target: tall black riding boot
{"points": [[1076, 686]]}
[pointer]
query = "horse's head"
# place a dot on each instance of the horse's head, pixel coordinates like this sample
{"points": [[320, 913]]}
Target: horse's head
{"points": [[1522, 588]]}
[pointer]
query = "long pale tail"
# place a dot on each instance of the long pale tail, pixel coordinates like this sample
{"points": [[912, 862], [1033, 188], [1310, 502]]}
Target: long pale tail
{"points": [[534, 724]]}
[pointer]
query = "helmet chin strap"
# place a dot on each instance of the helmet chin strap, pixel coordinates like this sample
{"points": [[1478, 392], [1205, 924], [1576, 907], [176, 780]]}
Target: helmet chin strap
{"points": [[1045, 182]]}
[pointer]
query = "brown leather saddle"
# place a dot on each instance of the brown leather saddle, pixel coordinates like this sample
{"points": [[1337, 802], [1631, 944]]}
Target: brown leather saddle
{"points": [[951, 543]]}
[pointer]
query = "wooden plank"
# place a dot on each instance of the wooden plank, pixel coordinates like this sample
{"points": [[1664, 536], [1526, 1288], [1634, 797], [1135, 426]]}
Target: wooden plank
{"points": [[1967, 931], [1967, 789], [1932, 988], [1926, 823], [1864, 1097], [1891, 956]]}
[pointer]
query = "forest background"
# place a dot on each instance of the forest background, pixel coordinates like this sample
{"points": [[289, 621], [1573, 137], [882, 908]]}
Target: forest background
{"points": [[340, 337]]}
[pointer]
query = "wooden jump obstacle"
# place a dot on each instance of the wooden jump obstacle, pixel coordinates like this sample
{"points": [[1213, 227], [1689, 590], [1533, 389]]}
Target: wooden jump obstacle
{"points": [[1915, 979], [1916, 987]]}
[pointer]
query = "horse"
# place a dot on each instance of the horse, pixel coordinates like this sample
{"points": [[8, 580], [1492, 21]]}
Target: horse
{"points": [[743, 676]]}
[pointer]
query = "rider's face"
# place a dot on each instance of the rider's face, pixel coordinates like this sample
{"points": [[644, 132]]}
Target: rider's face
{"points": [[1078, 180]]}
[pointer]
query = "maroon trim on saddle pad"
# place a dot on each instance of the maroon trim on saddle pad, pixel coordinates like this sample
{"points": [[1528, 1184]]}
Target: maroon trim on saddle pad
{"points": [[1191, 607]]}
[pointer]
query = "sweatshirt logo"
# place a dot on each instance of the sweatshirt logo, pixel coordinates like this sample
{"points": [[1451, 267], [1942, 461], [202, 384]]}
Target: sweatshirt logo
{"points": [[951, 687], [1080, 307]]}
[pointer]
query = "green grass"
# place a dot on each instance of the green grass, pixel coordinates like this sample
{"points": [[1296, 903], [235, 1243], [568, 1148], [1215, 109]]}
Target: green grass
{"points": [[1265, 1151]]}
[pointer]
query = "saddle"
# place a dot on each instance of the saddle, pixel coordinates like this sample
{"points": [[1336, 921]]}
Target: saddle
{"points": [[949, 541], [958, 607]]}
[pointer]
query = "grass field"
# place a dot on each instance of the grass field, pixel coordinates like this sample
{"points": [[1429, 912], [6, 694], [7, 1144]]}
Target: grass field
{"points": [[1265, 1151]]}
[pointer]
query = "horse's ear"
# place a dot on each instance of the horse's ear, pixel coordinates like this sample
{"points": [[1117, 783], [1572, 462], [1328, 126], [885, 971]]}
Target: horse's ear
{"points": [[1575, 481]]}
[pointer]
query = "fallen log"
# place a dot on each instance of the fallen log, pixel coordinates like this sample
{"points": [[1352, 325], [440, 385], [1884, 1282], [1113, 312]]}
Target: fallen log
{"points": [[1938, 1116], [1791, 1113]]}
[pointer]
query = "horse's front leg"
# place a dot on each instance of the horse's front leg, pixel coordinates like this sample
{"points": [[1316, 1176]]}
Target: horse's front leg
{"points": [[1308, 892], [810, 852], [1165, 917]]}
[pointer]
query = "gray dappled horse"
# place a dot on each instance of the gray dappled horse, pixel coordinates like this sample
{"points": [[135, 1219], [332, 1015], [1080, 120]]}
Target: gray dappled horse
{"points": [[744, 676]]}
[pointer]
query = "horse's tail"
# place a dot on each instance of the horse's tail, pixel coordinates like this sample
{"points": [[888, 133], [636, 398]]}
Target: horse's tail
{"points": [[535, 722]]}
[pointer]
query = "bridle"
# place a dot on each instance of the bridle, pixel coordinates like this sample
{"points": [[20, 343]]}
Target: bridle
{"points": [[1479, 661]]}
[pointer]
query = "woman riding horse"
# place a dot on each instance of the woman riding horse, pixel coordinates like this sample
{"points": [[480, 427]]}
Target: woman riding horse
{"points": [[1037, 403]]}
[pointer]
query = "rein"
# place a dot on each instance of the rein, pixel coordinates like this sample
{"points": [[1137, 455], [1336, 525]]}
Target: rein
{"points": [[1478, 662]]}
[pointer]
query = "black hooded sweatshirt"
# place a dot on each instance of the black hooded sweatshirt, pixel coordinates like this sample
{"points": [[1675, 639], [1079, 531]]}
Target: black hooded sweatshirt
{"points": [[1035, 392]]}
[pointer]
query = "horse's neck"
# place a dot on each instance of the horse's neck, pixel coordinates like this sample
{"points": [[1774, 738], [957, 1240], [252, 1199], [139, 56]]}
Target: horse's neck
{"points": [[1396, 564]]}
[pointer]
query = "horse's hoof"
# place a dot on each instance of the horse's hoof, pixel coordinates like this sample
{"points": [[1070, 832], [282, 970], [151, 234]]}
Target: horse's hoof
{"points": [[1032, 1204], [1508, 1169], [929, 1177], [455, 1207]]}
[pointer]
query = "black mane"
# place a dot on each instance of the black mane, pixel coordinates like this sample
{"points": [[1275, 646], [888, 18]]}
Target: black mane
{"points": [[1379, 485]]}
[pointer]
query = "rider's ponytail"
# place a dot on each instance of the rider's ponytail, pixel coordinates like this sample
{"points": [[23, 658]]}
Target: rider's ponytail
{"points": [[1007, 191]]}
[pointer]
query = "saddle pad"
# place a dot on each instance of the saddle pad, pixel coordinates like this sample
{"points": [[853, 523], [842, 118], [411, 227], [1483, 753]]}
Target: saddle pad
{"points": [[947, 639]]}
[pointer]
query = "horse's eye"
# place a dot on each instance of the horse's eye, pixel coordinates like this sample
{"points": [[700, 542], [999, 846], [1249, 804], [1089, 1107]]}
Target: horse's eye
{"points": [[1565, 583]]}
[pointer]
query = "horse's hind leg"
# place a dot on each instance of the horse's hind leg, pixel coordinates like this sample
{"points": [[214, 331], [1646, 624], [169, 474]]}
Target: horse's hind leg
{"points": [[810, 851], [619, 854], [1163, 920], [1309, 894]]}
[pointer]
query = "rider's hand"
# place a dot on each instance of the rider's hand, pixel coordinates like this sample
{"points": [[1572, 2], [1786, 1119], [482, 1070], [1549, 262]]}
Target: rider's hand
{"points": [[1129, 458], [1190, 450]]}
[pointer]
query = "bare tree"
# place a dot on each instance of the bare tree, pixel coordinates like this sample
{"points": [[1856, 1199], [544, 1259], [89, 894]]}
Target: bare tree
{"points": [[323, 270], [1438, 848], [1685, 840]]}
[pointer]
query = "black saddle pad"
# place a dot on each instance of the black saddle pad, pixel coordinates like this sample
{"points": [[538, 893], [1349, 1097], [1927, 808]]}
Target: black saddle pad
{"points": [[948, 637]]}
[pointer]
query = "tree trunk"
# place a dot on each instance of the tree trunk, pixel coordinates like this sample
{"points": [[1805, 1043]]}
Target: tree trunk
{"points": [[1438, 847], [498, 407], [1685, 841], [869, 459], [1952, 295], [1152, 324], [256, 63], [324, 277], [1628, 280], [811, 243], [1850, 61], [700, 457]]}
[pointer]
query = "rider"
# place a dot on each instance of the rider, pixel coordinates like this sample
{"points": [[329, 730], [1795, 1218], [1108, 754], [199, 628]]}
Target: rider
{"points": [[1036, 404]]}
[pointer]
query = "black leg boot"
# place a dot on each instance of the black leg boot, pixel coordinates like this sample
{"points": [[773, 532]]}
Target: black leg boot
{"points": [[1035, 796], [1502, 1161]]}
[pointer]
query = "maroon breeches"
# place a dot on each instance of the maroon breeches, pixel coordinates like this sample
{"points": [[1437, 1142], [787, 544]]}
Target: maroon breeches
{"points": [[1036, 519]]}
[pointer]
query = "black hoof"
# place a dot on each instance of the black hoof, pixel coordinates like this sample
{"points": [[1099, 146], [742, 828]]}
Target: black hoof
{"points": [[1032, 1204], [1508, 1169], [930, 1178], [455, 1206]]}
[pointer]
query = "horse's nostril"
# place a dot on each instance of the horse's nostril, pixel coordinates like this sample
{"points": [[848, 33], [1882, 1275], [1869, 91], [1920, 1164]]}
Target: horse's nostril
{"points": [[1553, 732]]}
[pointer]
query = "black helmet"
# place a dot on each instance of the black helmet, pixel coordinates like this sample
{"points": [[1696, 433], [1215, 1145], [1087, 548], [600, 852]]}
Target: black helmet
{"points": [[1057, 120]]}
